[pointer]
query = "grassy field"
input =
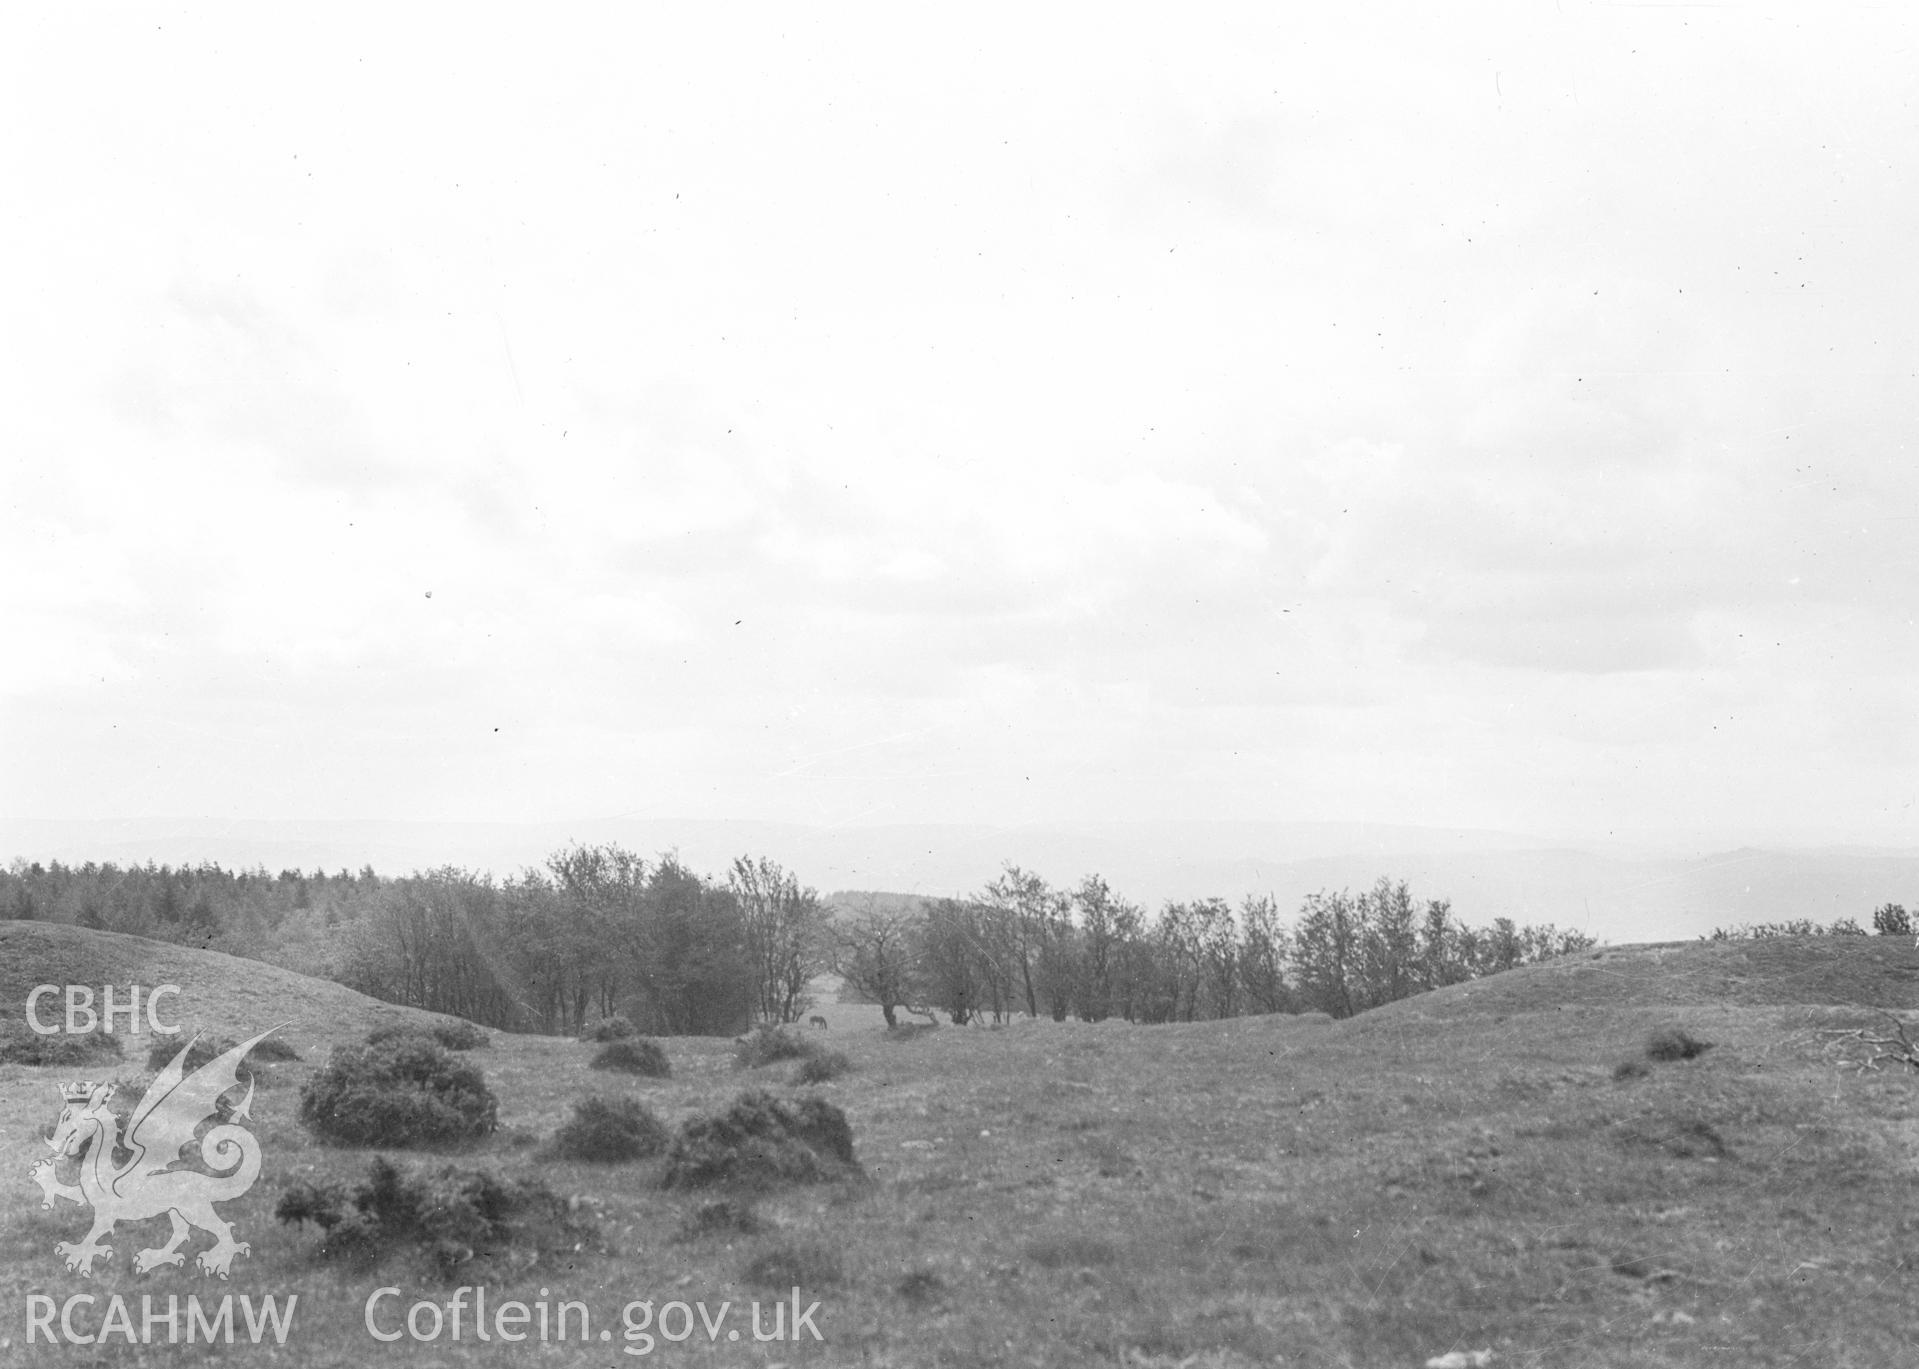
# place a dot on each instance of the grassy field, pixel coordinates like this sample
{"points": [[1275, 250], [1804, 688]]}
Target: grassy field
{"points": [[1458, 1172]]}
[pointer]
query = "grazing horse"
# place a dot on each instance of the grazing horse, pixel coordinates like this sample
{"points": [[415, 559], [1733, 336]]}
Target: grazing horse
{"points": [[816, 1021]]}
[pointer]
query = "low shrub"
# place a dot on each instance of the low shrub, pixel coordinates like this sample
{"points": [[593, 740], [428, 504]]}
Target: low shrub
{"points": [[1634, 1068], [464, 1222], [723, 1217], [206, 1047], [614, 1028], [768, 1044], [820, 1066], [401, 1091], [609, 1132], [1675, 1043], [454, 1034], [759, 1140], [640, 1056], [795, 1266], [21, 1045]]}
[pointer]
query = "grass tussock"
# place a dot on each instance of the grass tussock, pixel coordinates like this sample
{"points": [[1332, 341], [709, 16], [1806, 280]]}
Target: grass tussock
{"points": [[920, 1288], [808, 1265], [762, 1140], [640, 1055], [460, 1223], [1682, 1138], [1071, 1250], [609, 1131], [399, 1091], [722, 1217]]}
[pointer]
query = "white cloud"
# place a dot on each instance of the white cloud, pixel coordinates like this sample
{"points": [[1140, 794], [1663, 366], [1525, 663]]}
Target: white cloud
{"points": [[1377, 411]]}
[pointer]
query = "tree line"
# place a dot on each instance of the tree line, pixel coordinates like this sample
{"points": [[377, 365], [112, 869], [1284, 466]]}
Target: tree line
{"points": [[1022, 946], [598, 930], [593, 931]]}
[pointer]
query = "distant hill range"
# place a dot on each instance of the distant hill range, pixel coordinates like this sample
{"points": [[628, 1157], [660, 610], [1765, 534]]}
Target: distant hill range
{"points": [[1614, 891]]}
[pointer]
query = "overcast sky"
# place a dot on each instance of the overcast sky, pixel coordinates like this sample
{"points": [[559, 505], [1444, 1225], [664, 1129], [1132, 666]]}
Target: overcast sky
{"points": [[1457, 415]]}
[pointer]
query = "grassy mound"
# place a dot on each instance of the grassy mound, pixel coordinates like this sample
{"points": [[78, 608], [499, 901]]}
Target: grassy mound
{"points": [[400, 1091]]}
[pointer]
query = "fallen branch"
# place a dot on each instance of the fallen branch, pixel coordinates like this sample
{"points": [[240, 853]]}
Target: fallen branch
{"points": [[1898, 1047]]}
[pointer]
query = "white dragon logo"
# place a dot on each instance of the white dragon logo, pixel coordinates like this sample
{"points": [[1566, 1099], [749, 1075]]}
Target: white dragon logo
{"points": [[146, 1185]]}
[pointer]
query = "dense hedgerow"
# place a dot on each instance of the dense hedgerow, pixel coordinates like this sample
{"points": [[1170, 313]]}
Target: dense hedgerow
{"points": [[760, 1139], [638, 1056], [463, 1222], [609, 1132], [455, 1034], [401, 1091]]}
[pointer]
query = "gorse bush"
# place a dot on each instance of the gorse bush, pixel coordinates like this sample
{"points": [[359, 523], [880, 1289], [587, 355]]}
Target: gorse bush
{"points": [[1764, 931], [454, 1034], [820, 1066], [638, 1056], [464, 1222], [609, 1131], [1675, 1043], [205, 1048], [768, 1044], [401, 1091], [760, 1140], [21, 1045], [614, 1028]]}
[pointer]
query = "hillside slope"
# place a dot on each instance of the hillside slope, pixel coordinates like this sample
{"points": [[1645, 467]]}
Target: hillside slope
{"points": [[218, 993], [1503, 1165]]}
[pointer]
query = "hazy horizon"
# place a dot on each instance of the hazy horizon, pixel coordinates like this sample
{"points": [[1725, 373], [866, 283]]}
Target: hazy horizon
{"points": [[1491, 419], [1619, 893]]}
